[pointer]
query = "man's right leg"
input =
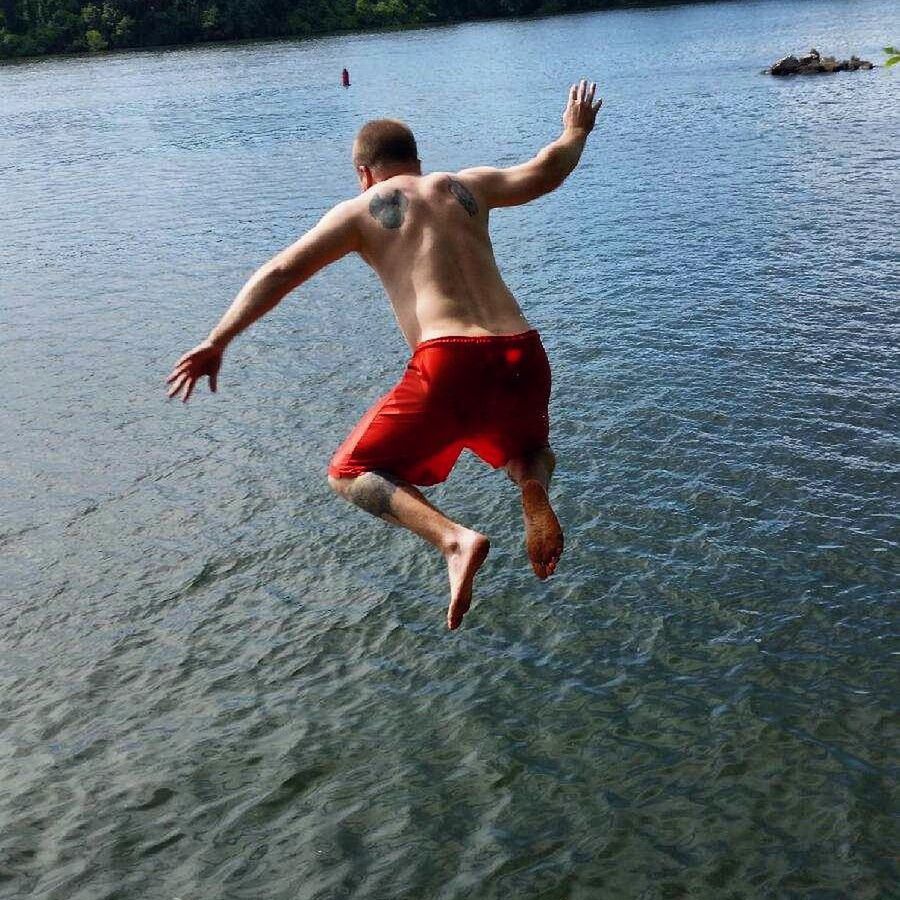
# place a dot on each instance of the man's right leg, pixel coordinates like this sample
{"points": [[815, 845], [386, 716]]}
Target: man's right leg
{"points": [[543, 534], [398, 502]]}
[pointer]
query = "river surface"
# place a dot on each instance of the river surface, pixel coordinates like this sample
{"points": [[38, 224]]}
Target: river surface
{"points": [[217, 680]]}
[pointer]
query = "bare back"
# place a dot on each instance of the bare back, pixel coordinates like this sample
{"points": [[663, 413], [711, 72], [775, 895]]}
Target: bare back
{"points": [[426, 236]]}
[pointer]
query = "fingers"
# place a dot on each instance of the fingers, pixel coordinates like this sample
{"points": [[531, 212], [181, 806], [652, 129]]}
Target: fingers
{"points": [[177, 372], [186, 384], [182, 379], [176, 388], [184, 364], [190, 368], [582, 93]]}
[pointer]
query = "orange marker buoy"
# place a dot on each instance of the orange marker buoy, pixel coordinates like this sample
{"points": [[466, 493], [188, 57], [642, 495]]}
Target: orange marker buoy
{"points": [[345, 78]]}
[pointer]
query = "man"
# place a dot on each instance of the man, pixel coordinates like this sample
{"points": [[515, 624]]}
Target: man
{"points": [[478, 378]]}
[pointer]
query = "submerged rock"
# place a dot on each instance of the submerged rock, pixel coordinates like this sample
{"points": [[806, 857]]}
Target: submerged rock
{"points": [[813, 63]]}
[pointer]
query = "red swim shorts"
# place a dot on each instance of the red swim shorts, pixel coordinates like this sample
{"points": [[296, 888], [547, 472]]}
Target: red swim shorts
{"points": [[488, 394]]}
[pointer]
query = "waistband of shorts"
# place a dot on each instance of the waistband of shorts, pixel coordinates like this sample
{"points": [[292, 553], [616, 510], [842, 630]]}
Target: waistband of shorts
{"points": [[520, 336]]}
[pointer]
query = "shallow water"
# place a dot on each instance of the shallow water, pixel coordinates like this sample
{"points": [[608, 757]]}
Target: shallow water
{"points": [[218, 681]]}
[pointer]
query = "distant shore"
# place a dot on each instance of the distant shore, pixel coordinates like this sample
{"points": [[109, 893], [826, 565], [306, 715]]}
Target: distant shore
{"points": [[53, 28]]}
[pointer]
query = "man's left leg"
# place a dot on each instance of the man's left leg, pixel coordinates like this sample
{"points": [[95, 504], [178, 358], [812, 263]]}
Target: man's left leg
{"points": [[398, 502], [543, 534]]}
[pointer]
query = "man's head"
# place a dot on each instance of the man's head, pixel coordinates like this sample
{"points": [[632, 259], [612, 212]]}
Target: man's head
{"points": [[384, 148]]}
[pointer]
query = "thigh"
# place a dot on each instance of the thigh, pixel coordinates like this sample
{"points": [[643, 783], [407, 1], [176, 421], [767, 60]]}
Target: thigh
{"points": [[403, 433], [515, 419]]}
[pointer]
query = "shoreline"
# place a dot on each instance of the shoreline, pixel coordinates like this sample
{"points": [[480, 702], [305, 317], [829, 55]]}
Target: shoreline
{"points": [[602, 6]]}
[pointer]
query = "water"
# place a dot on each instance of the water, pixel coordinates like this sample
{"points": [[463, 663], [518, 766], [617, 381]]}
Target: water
{"points": [[219, 681]]}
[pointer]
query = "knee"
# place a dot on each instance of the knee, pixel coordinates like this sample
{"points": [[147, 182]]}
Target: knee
{"points": [[543, 458], [550, 458], [340, 486], [350, 488]]}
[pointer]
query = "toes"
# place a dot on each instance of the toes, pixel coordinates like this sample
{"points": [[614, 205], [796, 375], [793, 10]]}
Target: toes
{"points": [[546, 567], [458, 608]]}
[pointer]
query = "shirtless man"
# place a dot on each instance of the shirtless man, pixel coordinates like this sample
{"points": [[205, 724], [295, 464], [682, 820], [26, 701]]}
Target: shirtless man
{"points": [[478, 378]]}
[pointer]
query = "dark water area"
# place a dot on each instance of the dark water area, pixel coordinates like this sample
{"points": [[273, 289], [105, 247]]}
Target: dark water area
{"points": [[217, 680]]}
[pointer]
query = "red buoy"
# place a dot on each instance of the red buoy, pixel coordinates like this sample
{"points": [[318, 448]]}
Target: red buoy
{"points": [[345, 78]]}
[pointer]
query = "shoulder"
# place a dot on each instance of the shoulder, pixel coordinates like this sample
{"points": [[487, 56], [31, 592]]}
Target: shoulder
{"points": [[345, 211], [465, 188], [338, 227], [451, 181], [482, 182], [343, 216]]}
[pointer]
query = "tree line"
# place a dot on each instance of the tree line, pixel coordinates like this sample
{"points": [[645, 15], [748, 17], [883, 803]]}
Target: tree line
{"points": [[37, 27]]}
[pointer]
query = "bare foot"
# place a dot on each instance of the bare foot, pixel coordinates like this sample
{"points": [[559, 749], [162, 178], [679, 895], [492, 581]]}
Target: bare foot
{"points": [[543, 534], [464, 559]]}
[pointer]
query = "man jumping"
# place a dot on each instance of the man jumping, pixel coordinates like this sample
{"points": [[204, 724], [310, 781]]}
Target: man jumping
{"points": [[478, 378]]}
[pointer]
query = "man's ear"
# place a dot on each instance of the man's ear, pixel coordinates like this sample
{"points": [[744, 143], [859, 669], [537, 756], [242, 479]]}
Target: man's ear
{"points": [[364, 173]]}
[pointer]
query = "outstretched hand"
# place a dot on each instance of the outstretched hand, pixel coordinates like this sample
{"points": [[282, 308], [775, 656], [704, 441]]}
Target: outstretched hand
{"points": [[204, 359], [581, 110]]}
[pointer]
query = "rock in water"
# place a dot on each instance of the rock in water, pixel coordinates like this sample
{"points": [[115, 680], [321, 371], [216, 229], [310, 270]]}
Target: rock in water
{"points": [[787, 66], [815, 64]]}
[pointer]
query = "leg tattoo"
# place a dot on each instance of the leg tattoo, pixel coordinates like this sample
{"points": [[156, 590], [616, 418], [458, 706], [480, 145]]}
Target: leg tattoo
{"points": [[373, 492], [396, 501]]}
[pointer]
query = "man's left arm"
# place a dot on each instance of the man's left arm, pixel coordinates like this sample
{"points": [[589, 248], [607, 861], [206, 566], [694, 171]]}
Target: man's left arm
{"points": [[334, 236]]}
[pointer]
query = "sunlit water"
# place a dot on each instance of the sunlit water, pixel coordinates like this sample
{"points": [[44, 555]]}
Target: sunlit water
{"points": [[219, 681]]}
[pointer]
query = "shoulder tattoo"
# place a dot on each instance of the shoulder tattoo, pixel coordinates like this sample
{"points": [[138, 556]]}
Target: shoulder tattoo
{"points": [[389, 209], [464, 195]]}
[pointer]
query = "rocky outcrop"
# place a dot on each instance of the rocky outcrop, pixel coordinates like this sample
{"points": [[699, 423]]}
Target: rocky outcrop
{"points": [[816, 64]]}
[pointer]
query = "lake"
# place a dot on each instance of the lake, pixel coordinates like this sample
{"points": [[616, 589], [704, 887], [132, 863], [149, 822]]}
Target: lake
{"points": [[218, 680]]}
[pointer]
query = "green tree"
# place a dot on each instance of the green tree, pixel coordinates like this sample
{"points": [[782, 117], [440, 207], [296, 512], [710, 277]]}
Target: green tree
{"points": [[90, 15], [30, 27], [95, 41], [381, 12]]}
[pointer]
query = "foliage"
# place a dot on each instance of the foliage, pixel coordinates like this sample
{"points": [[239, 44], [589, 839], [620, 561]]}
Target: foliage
{"points": [[35, 27], [893, 56], [94, 40]]}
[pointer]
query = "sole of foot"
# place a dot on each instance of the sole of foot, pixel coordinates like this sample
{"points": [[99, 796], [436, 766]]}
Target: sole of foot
{"points": [[462, 565], [543, 534]]}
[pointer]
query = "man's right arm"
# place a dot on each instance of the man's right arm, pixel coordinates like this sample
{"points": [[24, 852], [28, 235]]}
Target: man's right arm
{"points": [[550, 167], [335, 235]]}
